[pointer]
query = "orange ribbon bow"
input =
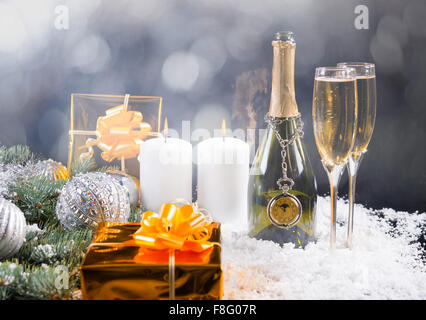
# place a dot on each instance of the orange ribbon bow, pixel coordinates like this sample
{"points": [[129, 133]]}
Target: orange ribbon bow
{"points": [[174, 228], [119, 134]]}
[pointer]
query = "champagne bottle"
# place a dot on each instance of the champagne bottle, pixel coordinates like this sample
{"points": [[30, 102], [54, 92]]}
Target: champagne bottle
{"points": [[268, 165]]}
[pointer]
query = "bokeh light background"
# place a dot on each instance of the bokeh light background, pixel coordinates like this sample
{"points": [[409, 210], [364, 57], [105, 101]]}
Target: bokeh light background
{"points": [[191, 52]]}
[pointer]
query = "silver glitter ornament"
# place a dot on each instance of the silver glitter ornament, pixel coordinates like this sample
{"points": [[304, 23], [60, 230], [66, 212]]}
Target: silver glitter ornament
{"points": [[12, 228], [49, 168], [129, 183], [91, 198], [9, 174]]}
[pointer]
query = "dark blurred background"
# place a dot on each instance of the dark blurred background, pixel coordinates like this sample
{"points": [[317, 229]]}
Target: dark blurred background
{"points": [[194, 53]]}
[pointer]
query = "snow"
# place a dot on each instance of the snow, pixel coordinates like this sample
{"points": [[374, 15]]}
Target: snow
{"points": [[46, 249], [32, 231], [385, 262]]}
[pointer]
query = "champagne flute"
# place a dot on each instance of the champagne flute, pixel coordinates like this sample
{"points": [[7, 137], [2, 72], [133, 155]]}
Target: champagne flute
{"points": [[366, 86], [334, 111]]}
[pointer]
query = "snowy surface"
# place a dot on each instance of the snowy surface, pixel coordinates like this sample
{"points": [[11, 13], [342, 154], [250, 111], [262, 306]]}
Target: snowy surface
{"points": [[385, 262]]}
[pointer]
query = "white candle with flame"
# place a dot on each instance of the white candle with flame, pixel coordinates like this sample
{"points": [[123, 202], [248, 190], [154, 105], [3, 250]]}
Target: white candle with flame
{"points": [[223, 172], [165, 171]]}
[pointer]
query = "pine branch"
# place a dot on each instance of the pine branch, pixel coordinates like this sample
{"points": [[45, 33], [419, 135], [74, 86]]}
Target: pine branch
{"points": [[82, 166], [43, 284], [108, 168], [33, 273], [37, 198], [56, 246], [16, 155], [35, 282], [12, 279], [33, 232], [136, 214]]}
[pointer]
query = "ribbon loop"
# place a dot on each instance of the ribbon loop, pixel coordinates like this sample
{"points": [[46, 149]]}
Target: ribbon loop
{"points": [[175, 228], [119, 134]]}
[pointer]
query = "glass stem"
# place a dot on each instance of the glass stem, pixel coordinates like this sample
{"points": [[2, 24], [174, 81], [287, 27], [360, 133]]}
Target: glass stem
{"points": [[334, 173], [353, 165]]}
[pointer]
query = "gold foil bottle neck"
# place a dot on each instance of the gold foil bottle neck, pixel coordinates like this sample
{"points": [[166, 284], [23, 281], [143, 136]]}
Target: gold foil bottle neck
{"points": [[283, 99]]}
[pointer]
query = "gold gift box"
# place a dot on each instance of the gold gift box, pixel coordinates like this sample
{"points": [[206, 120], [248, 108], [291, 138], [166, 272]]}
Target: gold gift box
{"points": [[86, 112], [113, 269]]}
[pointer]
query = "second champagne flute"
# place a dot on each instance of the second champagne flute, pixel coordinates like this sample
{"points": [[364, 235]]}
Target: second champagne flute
{"points": [[366, 86], [334, 111]]}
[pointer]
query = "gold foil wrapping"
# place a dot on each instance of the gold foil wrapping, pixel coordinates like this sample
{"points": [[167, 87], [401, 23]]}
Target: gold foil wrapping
{"points": [[115, 268], [283, 99]]}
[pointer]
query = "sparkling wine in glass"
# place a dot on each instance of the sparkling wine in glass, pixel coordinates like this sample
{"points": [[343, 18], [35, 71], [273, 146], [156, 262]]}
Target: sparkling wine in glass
{"points": [[334, 111], [366, 86]]}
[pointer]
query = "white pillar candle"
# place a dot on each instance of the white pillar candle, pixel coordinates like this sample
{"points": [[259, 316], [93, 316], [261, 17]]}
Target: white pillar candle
{"points": [[165, 171], [223, 172]]}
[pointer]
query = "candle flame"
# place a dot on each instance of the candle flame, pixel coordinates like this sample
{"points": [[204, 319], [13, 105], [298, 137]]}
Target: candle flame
{"points": [[166, 127], [223, 127]]}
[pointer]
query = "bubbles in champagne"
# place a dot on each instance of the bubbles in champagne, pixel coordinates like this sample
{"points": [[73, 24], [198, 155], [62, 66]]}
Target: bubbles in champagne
{"points": [[335, 117], [366, 87]]}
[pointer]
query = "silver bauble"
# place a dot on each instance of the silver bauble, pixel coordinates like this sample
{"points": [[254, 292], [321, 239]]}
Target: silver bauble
{"points": [[91, 198], [12, 228], [129, 183]]}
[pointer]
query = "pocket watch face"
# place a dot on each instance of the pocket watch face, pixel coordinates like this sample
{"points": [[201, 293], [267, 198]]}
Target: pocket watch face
{"points": [[284, 210]]}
